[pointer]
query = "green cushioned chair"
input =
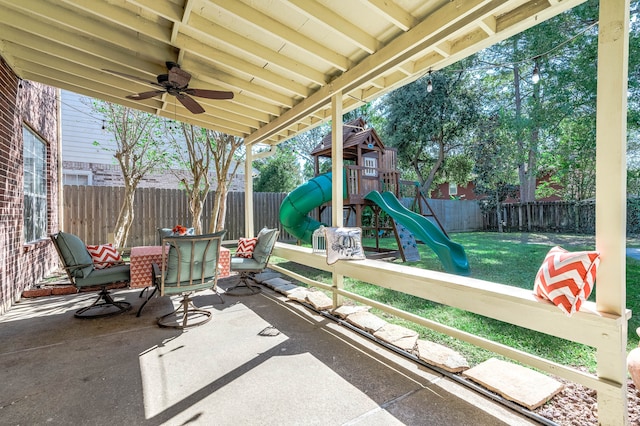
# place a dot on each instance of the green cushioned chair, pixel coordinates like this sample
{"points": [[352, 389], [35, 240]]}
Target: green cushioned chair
{"points": [[248, 267], [78, 265], [190, 265]]}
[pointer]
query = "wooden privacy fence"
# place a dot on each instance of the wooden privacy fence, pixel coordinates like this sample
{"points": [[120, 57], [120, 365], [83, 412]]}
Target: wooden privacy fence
{"points": [[551, 216], [556, 216], [91, 213]]}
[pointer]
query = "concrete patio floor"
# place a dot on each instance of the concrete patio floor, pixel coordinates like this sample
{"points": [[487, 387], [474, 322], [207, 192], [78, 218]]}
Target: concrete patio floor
{"points": [[261, 360]]}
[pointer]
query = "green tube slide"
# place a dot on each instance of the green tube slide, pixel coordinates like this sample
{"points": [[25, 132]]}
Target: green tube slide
{"points": [[451, 254], [297, 205]]}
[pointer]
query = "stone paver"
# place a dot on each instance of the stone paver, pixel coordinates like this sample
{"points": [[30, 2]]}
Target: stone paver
{"points": [[514, 382], [280, 285], [275, 282], [366, 321], [319, 300], [345, 310], [265, 276], [398, 336], [441, 356], [299, 294]]}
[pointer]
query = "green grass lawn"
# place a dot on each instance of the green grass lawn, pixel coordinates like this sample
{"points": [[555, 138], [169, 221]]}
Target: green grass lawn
{"points": [[511, 259]]}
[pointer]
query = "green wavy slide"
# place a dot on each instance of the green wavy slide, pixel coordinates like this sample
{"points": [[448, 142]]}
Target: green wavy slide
{"points": [[451, 254]]}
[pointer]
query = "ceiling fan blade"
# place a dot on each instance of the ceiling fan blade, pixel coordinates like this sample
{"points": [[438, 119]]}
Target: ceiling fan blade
{"points": [[190, 103], [133, 77], [145, 95], [209, 94]]}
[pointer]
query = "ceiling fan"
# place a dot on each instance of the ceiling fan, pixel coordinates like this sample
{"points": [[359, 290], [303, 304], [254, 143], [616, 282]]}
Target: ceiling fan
{"points": [[176, 83]]}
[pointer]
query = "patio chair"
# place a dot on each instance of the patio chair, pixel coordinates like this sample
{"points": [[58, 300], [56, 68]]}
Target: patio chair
{"points": [[249, 265], [82, 272], [191, 265]]}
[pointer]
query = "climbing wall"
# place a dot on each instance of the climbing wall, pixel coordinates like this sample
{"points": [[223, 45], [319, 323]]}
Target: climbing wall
{"points": [[406, 243]]}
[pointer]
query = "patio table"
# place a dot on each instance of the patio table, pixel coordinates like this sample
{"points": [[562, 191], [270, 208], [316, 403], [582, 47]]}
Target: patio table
{"points": [[143, 256]]}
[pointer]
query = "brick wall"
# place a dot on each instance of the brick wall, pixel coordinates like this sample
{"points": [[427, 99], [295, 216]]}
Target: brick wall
{"points": [[33, 105]]}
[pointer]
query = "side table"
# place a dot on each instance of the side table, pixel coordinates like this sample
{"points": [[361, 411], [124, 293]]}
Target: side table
{"points": [[143, 256], [140, 262]]}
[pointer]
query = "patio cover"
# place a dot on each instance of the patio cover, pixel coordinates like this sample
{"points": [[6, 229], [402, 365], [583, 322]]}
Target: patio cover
{"points": [[295, 64], [283, 60]]}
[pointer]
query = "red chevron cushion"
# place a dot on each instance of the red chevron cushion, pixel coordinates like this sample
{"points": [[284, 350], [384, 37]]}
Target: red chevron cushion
{"points": [[567, 278], [104, 255], [246, 246]]}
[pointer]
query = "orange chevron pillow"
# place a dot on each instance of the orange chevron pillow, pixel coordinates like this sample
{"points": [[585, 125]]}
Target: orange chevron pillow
{"points": [[567, 278], [246, 246], [104, 255]]}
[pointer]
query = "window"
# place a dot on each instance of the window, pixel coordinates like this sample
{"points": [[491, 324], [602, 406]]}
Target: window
{"points": [[35, 186], [76, 177], [371, 164], [453, 188]]}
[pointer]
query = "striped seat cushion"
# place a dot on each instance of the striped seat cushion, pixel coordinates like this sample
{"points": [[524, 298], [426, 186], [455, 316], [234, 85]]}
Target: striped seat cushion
{"points": [[567, 278], [104, 255]]}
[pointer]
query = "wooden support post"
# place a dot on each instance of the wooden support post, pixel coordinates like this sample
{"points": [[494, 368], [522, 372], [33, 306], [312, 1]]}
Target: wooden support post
{"points": [[248, 193], [611, 173], [337, 169]]}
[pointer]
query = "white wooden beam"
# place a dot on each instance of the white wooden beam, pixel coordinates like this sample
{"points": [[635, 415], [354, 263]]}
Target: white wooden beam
{"points": [[236, 43], [337, 182], [393, 13], [489, 25], [104, 12], [80, 42], [248, 193], [164, 8], [224, 59], [337, 24], [611, 200], [287, 34], [454, 15]]}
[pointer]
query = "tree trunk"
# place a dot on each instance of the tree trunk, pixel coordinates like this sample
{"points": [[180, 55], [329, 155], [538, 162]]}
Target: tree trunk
{"points": [[125, 219], [196, 212], [499, 213], [218, 215], [426, 185], [522, 165], [528, 181]]}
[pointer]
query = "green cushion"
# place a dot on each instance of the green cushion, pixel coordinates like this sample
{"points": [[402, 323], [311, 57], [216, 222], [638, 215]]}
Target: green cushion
{"points": [[266, 241], [244, 264], [191, 258], [114, 274], [74, 253]]}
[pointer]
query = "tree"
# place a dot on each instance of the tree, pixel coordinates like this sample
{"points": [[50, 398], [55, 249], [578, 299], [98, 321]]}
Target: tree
{"points": [[278, 173], [428, 127], [194, 156], [537, 113], [139, 149], [495, 175], [303, 144], [228, 153]]}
